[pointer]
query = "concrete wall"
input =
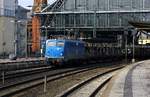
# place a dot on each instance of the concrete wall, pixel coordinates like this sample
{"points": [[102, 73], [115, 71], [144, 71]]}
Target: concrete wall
{"points": [[7, 29], [21, 15], [22, 38], [7, 32], [11, 31]]}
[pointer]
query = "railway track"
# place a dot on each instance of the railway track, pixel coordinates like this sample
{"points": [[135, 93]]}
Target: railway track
{"points": [[23, 72], [17, 65], [34, 80], [90, 87]]}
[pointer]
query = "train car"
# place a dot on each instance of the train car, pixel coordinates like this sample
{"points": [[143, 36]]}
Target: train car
{"points": [[60, 51]]}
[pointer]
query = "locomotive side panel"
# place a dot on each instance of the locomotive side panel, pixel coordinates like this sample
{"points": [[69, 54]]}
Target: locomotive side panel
{"points": [[74, 50]]}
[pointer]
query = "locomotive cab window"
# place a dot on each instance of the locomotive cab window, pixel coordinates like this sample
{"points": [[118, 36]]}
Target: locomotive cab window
{"points": [[51, 44], [60, 44]]}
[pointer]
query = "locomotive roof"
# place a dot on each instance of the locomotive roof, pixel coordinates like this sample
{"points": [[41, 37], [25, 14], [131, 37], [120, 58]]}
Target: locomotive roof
{"points": [[65, 40]]}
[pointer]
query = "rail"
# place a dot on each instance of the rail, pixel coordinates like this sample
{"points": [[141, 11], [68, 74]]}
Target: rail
{"points": [[71, 91], [33, 80]]}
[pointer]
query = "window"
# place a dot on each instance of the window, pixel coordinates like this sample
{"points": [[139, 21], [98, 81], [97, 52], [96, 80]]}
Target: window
{"points": [[60, 44], [51, 44]]}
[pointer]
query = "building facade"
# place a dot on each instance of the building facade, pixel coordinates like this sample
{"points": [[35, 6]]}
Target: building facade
{"points": [[21, 16], [94, 17], [7, 26], [13, 30], [6, 36], [7, 7]]}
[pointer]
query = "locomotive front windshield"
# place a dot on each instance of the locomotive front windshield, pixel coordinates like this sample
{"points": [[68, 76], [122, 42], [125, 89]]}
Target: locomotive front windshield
{"points": [[60, 44]]}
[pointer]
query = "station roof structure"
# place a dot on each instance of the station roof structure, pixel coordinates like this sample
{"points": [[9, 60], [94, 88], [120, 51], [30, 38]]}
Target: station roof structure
{"points": [[144, 26]]}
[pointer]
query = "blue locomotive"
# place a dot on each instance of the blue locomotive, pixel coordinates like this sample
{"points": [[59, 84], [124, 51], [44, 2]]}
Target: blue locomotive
{"points": [[60, 51]]}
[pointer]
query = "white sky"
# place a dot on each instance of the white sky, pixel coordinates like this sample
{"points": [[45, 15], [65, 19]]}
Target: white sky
{"points": [[26, 3]]}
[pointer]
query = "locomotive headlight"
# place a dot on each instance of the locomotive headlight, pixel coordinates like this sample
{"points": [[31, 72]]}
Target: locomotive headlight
{"points": [[61, 54], [58, 49]]}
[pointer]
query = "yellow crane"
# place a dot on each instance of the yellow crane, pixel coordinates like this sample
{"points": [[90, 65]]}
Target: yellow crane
{"points": [[37, 7]]}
